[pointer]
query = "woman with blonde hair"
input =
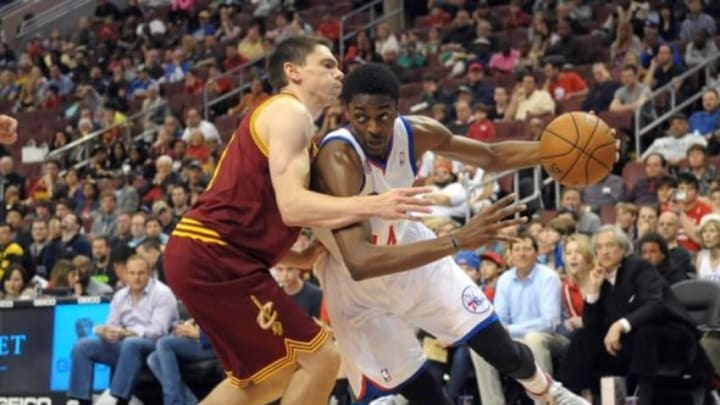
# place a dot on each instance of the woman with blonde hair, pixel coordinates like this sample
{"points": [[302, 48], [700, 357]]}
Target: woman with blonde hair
{"points": [[708, 259], [579, 259]]}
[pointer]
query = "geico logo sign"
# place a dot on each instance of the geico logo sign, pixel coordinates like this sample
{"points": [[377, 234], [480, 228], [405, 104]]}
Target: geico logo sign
{"points": [[25, 401]]}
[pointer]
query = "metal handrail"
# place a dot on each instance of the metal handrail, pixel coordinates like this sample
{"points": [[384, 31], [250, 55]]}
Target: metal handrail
{"points": [[41, 21], [343, 36], [640, 130], [84, 141], [13, 6], [240, 87]]}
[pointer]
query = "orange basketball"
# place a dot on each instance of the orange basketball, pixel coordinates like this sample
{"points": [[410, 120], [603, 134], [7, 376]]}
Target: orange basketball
{"points": [[577, 149]]}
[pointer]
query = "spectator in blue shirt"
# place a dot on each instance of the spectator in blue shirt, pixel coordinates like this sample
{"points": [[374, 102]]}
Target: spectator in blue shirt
{"points": [[527, 301], [175, 71], [706, 121], [63, 83], [140, 85], [651, 44], [140, 313]]}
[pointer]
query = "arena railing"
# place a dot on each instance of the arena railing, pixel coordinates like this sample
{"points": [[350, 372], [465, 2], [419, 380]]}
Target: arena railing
{"points": [[233, 74], [670, 90], [62, 15], [88, 141], [373, 21]]}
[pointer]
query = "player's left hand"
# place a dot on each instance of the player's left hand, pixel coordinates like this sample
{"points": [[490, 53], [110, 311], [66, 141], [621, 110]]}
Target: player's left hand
{"points": [[8, 129], [618, 141]]}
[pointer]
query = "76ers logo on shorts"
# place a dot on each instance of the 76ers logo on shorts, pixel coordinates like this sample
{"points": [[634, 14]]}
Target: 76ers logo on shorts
{"points": [[474, 301]]}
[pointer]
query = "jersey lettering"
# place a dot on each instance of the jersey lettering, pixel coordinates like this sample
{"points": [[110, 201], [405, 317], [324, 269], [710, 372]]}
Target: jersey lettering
{"points": [[391, 240]]}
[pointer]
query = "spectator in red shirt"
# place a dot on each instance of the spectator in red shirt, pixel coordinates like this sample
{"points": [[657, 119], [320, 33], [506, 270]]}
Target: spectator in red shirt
{"points": [[690, 209], [562, 84], [197, 148], [437, 17], [232, 57], [329, 27], [482, 129], [194, 84], [579, 259], [516, 18]]}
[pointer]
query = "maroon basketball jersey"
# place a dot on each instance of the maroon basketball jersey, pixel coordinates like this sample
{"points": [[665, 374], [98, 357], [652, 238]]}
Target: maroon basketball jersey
{"points": [[238, 208]]}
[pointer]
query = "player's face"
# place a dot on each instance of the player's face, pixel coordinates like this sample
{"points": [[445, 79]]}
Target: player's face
{"points": [[651, 252], [372, 118], [321, 74]]}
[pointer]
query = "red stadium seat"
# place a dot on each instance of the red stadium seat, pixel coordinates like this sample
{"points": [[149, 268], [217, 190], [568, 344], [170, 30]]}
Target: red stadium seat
{"points": [[631, 173]]}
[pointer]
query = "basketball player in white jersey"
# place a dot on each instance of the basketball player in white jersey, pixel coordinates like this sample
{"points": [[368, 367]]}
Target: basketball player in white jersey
{"points": [[374, 302]]}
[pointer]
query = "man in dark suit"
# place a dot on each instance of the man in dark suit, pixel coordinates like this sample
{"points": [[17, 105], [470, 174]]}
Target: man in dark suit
{"points": [[632, 320]]}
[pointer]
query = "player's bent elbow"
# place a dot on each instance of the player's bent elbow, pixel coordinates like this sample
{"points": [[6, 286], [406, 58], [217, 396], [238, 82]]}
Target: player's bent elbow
{"points": [[357, 272]]}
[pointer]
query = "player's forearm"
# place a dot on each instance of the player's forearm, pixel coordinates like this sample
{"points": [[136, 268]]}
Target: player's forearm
{"points": [[311, 209], [509, 155], [370, 261]]}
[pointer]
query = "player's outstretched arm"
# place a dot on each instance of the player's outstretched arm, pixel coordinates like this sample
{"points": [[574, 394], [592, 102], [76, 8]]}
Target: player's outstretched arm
{"points": [[288, 140], [496, 157], [338, 171], [8, 129]]}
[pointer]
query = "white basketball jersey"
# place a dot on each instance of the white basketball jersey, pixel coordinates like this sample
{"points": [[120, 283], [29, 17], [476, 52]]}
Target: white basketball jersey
{"points": [[399, 170], [438, 297]]}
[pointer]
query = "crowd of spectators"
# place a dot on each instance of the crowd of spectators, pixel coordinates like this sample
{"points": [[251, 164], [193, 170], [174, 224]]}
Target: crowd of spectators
{"points": [[481, 71]]}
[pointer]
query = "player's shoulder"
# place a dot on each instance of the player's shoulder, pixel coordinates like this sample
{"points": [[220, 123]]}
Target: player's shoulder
{"points": [[337, 148], [279, 108], [422, 124]]}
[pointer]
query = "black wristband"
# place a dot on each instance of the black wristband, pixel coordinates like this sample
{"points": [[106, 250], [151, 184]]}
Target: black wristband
{"points": [[454, 242]]}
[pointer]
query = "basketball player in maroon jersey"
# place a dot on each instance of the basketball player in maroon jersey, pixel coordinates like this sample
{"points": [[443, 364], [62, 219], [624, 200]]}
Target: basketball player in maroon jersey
{"points": [[218, 256]]}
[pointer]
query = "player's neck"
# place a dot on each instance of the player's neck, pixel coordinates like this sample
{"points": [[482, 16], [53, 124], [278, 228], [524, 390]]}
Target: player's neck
{"points": [[313, 105]]}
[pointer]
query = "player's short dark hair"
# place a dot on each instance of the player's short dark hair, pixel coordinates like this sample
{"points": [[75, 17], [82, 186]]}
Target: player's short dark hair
{"points": [[295, 50], [371, 78]]}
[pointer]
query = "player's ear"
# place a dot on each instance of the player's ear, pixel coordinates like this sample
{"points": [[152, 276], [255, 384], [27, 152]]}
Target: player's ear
{"points": [[291, 72]]}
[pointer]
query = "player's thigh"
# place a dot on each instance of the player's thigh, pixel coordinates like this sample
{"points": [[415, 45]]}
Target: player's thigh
{"points": [[325, 359], [446, 302], [228, 393]]}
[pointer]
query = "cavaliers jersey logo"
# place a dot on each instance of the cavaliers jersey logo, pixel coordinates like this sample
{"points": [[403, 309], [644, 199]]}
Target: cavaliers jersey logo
{"points": [[267, 317]]}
